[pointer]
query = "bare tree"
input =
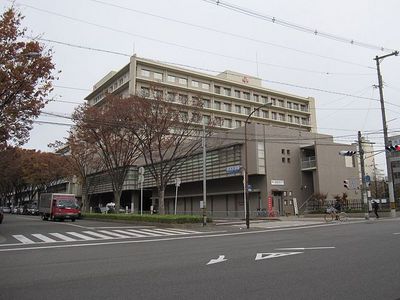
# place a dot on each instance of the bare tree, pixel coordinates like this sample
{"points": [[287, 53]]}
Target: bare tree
{"points": [[104, 129], [169, 134]]}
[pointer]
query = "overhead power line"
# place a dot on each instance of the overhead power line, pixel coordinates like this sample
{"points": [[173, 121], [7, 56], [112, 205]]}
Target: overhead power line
{"points": [[297, 27], [202, 27]]}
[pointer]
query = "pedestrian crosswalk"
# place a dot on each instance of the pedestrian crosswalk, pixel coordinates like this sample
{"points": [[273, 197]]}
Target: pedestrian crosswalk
{"points": [[94, 235]]}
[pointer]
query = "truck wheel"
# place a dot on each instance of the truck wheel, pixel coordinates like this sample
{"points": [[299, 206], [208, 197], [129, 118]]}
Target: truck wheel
{"points": [[44, 218], [52, 218]]}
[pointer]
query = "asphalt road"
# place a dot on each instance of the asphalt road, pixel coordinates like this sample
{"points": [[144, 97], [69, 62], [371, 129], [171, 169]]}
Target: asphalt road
{"points": [[340, 261]]}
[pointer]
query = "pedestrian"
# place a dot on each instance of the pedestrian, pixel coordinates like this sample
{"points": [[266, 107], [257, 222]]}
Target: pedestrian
{"points": [[375, 206]]}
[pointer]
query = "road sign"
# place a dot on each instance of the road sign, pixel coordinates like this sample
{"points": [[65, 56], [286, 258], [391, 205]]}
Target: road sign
{"points": [[367, 178], [233, 169]]}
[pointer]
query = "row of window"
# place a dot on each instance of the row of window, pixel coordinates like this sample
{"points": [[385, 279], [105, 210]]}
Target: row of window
{"points": [[112, 87], [218, 105], [226, 91]]}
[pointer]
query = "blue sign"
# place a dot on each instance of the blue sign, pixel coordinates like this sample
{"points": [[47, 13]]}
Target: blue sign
{"points": [[233, 169], [367, 178]]}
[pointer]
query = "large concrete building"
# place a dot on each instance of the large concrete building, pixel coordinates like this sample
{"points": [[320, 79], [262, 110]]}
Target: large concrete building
{"points": [[288, 161], [228, 98]]}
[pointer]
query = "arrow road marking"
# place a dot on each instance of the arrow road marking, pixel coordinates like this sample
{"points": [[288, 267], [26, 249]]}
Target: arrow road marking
{"points": [[302, 249], [221, 258], [260, 256]]}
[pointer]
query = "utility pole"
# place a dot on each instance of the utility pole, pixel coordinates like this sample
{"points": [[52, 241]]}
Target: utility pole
{"points": [[363, 185], [204, 176], [385, 133]]}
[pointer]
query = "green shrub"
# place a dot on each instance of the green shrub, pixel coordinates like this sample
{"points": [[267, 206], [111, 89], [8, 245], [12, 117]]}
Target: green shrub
{"points": [[177, 219]]}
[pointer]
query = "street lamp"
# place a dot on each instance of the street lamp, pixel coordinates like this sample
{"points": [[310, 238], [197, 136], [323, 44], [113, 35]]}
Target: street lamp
{"points": [[246, 172], [385, 133]]}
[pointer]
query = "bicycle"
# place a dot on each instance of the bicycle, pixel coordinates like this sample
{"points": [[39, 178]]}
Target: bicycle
{"points": [[273, 213], [331, 214]]}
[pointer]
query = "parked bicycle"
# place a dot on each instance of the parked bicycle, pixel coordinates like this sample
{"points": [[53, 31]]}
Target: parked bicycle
{"points": [[332, 214]]}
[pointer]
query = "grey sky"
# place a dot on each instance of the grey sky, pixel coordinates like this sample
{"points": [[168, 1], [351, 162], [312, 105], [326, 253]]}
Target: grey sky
{"points": [[123, 30]]}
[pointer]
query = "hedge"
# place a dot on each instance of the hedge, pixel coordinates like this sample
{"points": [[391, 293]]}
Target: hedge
{"points": [[156, 218]]}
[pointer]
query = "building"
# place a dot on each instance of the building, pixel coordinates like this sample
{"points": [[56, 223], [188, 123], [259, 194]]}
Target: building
{"points": [[394, 159], [288, 162], [284, 164], [228, 98]]}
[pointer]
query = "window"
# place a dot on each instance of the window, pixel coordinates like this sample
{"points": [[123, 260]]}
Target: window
{"points": [[290, 118], [205, 86], [273, 100], [281, 117], [227, 106], [121, 81], [171, 78], [217, 105], [238, 123], [281, 103], [182, 81], [256, 98], [217, 89], [227, 91], [257, 113], [171, 96], [289, 104], [238, 109], [261, 157], [158, 93], [218, 121], [304, 121], [246, 95], [296, 120], [196, 118], [206, 103], [206, 119], [303, 107], [195, 100], [183, 99], [145, 73], [273, 116], [246, 110], [228, 123], [158, 76], [283, 160], [283, 151], [237, 93], [288, 160], [287, 151], [264, 99], [145, 92], [195, 83], [265, 114], [295, 106], [184, 115]]}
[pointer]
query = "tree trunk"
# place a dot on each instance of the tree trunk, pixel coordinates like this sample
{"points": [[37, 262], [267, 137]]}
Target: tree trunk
{"points": [[161, 207], [117, 200]]}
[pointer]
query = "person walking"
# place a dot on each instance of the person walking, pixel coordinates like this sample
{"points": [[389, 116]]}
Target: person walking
{"points": [[375, 206]]}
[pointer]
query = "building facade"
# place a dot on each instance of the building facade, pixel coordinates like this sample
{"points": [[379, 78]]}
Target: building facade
{"points": [[284, 165], [227, 98]]}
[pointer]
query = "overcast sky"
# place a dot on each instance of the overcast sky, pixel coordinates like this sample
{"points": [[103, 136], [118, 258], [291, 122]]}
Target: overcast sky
{"points": [[203, 35]]}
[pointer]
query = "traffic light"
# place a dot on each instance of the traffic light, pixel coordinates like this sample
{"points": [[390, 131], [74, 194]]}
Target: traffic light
{"points": [[346, 184], [347, 153], [393, 148]]}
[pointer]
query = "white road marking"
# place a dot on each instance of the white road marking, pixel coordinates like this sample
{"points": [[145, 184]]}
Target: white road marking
{"points": [[309, 248], [144, 231], [98, 235], [396, 233], [261, 256], [184, 230], [114, 234], [23, 239], [221, 258], [159, 232], [43, 238], [63, 237], [81, 236], [130, 233], [173, 231]]}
